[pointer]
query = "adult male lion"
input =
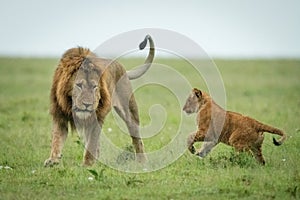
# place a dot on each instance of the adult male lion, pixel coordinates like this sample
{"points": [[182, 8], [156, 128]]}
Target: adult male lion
{"points": [[83, 90]]}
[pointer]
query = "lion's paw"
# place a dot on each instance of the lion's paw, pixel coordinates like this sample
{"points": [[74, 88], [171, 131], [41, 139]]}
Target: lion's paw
{"points": [[51, 162], [141, 158], [88, 162]]}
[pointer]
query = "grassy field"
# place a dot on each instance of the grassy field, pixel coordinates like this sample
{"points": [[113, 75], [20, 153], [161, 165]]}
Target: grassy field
{"points": [[268, 90]]}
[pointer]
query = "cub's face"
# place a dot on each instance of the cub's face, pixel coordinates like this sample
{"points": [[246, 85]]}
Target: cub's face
{"points": [[193, 102], [86, 93]]}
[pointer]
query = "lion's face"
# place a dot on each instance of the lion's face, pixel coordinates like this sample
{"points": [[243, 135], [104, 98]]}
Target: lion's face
{"points": [[193, 102], [86, 91]]}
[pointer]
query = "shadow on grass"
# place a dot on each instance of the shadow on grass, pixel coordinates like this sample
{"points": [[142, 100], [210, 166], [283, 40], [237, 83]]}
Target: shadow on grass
{"points": [[223, 160]]}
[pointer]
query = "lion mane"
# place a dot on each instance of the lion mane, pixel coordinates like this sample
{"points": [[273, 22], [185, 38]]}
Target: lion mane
{"points": [[64, 81]]}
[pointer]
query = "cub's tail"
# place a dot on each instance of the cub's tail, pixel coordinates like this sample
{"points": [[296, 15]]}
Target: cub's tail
{"points": [[270, 129], [136, 73]]}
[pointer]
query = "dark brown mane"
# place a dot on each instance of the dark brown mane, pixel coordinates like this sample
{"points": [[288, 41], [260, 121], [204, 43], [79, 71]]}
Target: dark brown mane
{"points": [[69, 64]]}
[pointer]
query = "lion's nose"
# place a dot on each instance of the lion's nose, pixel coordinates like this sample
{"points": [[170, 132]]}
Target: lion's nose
{"points": [[87, 105]]}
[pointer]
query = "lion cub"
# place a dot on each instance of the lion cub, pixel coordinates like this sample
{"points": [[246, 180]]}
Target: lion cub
{"points": [[217, 125]]}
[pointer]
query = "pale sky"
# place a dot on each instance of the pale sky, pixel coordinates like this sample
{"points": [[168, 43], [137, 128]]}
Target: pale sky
{"points": [[223, 28]]}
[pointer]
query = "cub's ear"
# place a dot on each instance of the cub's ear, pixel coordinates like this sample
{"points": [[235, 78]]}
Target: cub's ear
{"points": [[197, 92]]}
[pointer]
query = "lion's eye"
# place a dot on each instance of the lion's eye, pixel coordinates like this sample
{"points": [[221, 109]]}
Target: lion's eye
{"points": [[79, 85], [95, 87]]}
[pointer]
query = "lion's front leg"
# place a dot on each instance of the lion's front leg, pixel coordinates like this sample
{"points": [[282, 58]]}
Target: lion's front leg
{"points": [[91, 152], [59, 135]]}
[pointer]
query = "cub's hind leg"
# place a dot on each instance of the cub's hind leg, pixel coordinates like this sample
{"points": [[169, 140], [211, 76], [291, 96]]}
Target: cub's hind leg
{"points": [[248, 141], [256, 149], [239, 139], [257, 152], [59, 135]]}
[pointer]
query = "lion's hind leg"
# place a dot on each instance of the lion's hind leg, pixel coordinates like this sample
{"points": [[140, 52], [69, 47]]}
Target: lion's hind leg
{"points": [[125, 105], [129, 113]]}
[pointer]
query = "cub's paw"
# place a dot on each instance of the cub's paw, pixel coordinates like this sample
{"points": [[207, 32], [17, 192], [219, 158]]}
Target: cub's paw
{"points": [[51, 162], [192, 149], [200, 155]]}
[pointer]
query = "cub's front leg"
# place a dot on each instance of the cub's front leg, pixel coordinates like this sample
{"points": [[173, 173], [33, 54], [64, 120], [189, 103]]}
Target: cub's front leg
{"points": [[205, 135], [59, 135], [202, 135], [206, 148], [195, 137], [190, 143]]}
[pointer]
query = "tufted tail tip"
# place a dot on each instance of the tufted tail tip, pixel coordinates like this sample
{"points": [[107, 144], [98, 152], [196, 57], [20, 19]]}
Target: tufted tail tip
{"points": [[276, 143], [144, 43]]}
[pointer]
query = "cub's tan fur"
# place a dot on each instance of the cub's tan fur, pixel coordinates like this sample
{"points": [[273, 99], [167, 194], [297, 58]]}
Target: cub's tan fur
{"points": [[217, 125], [83, 90]]}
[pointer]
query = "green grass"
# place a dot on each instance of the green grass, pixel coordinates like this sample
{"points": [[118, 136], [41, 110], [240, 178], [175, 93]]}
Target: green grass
{"points": [[268, 90]]}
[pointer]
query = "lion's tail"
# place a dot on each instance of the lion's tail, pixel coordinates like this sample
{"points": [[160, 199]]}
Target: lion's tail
{"points": [[136, 73], [266, 128]]}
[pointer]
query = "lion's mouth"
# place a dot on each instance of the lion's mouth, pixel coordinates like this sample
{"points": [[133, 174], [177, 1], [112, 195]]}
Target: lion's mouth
{"points": [[82, 113], [82, 110]]}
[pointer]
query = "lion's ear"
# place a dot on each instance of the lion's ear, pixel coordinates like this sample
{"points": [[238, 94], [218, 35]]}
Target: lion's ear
{"points": [[198, 93]]}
